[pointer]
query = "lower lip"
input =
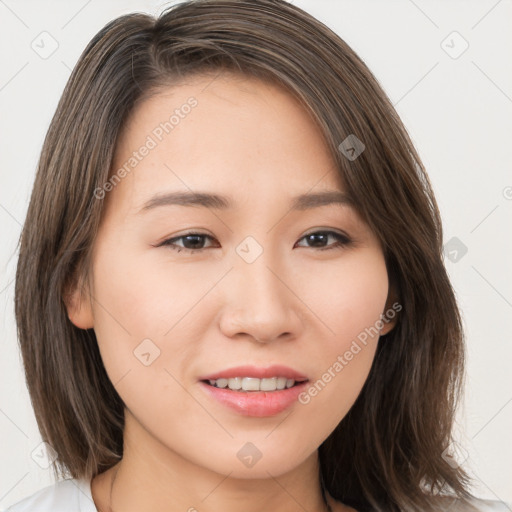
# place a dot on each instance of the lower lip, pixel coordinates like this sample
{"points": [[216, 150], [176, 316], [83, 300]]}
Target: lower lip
{"points": [[256, 403]]}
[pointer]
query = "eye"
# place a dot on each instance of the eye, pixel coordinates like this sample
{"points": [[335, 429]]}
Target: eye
{"points": [[320, 237], [194, 242]]}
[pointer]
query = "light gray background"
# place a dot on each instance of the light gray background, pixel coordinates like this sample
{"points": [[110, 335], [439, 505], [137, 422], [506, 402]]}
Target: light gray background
{"points": [[457, 109]]}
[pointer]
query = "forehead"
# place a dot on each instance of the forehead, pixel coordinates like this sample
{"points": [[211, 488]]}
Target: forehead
{"points": [[229, 134]]}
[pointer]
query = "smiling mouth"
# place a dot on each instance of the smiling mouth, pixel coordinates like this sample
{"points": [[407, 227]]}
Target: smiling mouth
{"points": [[253, 384]]}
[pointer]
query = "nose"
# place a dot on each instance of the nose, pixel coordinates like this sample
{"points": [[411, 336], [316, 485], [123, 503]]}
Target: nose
{"points": [[260, 303]]}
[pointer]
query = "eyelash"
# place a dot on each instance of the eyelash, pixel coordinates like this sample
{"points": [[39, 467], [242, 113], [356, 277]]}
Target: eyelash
{"points": [[342, 241]]}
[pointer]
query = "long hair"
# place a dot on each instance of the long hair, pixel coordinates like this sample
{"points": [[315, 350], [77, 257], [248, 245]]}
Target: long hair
{"points": [[388, 451]]}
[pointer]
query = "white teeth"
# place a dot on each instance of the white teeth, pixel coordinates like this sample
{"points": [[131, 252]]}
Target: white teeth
{"points": [[222, 383], [268, 384], [235, 383], [281, 382], [253, 384], [250, 384]]}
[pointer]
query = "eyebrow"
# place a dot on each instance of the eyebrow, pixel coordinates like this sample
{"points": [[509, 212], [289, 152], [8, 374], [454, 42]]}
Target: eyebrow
{"points": [[218, 202]]}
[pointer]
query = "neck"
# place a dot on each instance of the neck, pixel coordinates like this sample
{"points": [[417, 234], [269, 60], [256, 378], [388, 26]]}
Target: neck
{"points": [[152, 477]]}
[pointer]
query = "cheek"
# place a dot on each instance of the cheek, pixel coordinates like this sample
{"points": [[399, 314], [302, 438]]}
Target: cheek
{"points": [[350, 306], [347, 296], [134, 307], [361, 301], [124, 307], [148, 316]]}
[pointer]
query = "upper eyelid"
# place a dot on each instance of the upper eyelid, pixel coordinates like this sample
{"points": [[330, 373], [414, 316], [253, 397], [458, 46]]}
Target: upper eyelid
{"points": [[316, 230]]}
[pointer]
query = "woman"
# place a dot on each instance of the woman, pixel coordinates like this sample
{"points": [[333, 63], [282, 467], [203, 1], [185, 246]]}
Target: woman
{"points": [[230, 289]]}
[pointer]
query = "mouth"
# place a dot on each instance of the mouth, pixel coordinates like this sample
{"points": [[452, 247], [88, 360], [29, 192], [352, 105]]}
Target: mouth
{"points": [[252, 391], [254, 384]]}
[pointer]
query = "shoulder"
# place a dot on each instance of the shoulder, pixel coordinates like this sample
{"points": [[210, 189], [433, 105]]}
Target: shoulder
{"points": [[475, 505], [490, 506], [69, 495], [450, 505]]}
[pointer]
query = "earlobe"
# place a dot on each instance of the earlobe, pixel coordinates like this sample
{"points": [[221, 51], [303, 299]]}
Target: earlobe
{"points": [[388, 325], [390, 313], [78, 306]]}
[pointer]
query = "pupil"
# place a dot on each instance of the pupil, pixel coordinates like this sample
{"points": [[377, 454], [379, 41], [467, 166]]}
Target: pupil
{"points": [[314, 235], [196, 238]]}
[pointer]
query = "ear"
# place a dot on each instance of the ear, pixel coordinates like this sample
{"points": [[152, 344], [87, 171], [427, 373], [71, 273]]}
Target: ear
{"points": [[391, 311], [78, 304]]}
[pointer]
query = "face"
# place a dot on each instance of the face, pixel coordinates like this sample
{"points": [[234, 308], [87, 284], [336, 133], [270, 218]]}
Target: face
{"points": [[185, 292]]}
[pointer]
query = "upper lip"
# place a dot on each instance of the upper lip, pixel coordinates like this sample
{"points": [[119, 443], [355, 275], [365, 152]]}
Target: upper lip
{"points": [[275, 370]]}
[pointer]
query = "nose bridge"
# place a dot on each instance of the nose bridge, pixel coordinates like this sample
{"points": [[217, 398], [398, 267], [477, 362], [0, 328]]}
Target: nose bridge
{"points": [[259, 304], [259, 284]]}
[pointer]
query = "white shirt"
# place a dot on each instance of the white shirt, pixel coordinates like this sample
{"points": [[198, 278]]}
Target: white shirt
{"points": [[73, 495], [64, 496]]}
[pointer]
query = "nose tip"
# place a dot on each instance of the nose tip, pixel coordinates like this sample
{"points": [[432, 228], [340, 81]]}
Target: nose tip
{"points": [[259, 305]]}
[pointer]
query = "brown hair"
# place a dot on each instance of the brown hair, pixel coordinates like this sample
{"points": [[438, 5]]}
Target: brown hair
{"points": [[387, 452]]}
